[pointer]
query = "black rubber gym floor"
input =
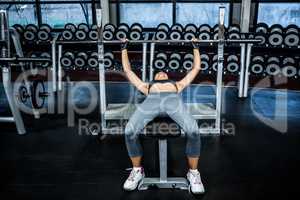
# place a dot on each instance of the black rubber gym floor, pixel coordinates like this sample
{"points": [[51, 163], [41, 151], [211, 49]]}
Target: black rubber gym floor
{"points": [[53, 162]]}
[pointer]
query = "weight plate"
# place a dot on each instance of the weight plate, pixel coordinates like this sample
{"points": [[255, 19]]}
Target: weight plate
{"points": [[204, 66], [232, 67], [93, 35], [29, 35], [162, 55], [204, 57], [110, 27], [161, 35], [234, 28], [273, 69], [46, 27], [45, 55], [276, 28], [121, 35], [71, 27], [205, 27], [163, 26], [288, 60], [289, 71], [187, 64], [190, 27], [234, 35], [232, 58], [107, 35], [83, 26], [261, 28], [23, 94], [43, 35], [188, 35], [108, 62], [174, 63], [204, 35], [275, 39], [175, 35], [123, 27], [175, 55], [291, 39], [190, 56], [92, 62], [215, 66], [258, 58], [292, 28], [257, 68], [67, 35], [31, 27], [135, 35], [19, 28], [159, 63], [80, 35], [136, 26], [79, 62], [39, 94], [273, 59], [177, 27], [66, 62]]}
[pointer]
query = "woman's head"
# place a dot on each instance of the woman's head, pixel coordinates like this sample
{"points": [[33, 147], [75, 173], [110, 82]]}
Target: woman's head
{"points": [[161, 76]]}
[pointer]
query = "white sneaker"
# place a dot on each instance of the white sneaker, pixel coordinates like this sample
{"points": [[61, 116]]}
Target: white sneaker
{"points": [[196, 186], [136, 175]]}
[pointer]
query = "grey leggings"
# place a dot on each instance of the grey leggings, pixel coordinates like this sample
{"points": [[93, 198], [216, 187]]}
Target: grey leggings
{"points": [[155, 104]]}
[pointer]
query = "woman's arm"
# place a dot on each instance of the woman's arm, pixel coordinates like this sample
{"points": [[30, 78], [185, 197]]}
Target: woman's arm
{"points": [[186, 81], [132, 77]]}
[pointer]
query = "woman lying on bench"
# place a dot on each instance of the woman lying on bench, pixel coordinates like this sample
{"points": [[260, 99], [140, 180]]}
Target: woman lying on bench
{"points": [[162, 98]]}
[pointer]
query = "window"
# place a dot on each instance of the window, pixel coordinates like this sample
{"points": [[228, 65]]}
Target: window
{"points": [[20, 13], [57, 15], [200, 13], [279, 13], [148, 14]]}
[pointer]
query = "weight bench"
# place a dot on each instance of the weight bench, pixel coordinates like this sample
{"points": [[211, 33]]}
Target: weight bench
{"points": [[163, 133]]}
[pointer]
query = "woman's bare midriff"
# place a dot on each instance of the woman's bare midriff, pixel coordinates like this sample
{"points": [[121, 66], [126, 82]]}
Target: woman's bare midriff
{"points": [[163, 87]]}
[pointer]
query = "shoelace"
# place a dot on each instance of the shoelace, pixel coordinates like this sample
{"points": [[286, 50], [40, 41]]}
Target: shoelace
{"points": [[197, 179], [132, 175]]}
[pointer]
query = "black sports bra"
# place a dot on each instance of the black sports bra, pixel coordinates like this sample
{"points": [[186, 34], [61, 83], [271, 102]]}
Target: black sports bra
{"points": [[162, 81]]}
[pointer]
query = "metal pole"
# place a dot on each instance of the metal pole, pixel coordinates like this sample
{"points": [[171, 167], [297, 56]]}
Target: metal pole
{"points": [[144, 61], [54, 70], [220, 70], [59, 70], [248, 58], [245, 15], [163, 166], [242, 70], [105, 11], [152, 51]]}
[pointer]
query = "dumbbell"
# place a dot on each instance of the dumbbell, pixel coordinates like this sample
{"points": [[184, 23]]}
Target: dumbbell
{"points": [[45, 55], [80, 60], [190, 32], [162, 31], [215, 32], [215, 63], [136, 31], [93, 32], [272, 67], [188, 61], [68, 32], [108, 60], [257, 67], [122, 31], [160, 61], [174, 61], [276, 35], [289, 71], [204, 32], [67, 60], [291, 38], [204, 62], [234, 32], [262, 28], [109, 31], [232, 64], [93, 60], [44, 32], [30, 32], [176, 31], [82, 31]]}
